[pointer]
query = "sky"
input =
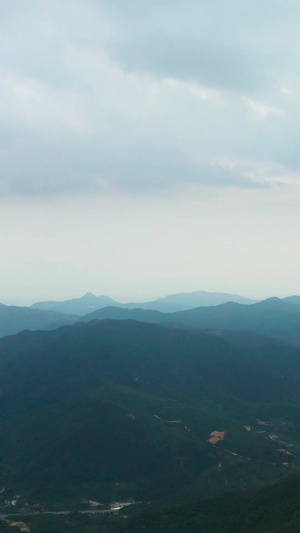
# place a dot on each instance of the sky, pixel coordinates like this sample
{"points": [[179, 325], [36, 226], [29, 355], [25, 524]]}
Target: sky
{"points": [[149, 148]]}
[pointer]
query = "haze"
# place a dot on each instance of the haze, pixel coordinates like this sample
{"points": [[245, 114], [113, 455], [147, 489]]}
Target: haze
{"points": [[149, 148]]}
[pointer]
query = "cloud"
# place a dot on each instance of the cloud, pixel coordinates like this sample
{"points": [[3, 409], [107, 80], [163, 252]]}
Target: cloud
{"points": [[140, 96], [259, 109], [227, 45]]}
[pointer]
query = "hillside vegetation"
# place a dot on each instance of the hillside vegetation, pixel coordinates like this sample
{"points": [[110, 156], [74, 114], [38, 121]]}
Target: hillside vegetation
{"points": [[109, 410]]}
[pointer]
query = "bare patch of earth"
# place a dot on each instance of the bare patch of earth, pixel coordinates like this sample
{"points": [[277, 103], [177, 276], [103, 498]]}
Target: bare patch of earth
{"points": [[216, 436]]}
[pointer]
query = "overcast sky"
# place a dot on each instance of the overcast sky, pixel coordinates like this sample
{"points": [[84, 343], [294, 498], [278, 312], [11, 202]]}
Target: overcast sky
{"points": [[149, 147]]}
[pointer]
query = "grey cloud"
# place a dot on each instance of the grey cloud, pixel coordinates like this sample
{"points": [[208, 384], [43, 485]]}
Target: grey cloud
{"points": [[85, 102], [136, 168], [35, 36], [206, 62], [229, 45]]}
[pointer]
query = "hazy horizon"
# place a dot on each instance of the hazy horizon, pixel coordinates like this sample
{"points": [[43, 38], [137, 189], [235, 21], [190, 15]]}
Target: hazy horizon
{"points": [[135, 300], [149, 148]]}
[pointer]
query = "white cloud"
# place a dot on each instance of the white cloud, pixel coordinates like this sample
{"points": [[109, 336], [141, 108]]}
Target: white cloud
{"points": [[31, 104], [286, 91], [261, 110], [94, 95]]}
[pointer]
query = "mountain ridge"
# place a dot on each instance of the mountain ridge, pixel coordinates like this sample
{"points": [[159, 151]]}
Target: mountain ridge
{"points": [[171, 303], [14, 319], [272, 318]]}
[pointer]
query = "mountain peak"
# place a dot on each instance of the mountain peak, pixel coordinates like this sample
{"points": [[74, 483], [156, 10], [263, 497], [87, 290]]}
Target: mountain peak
{"points": [[292, 299], [278, 304], [273, 300], [89, 296]]}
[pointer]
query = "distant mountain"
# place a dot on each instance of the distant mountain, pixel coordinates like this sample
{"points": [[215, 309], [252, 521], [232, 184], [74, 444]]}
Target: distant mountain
{"points": [[119, 409], [77, 306], [273, 318], [14, 319], [119, 313], [292, 300], [189, 300], [175, 302]]}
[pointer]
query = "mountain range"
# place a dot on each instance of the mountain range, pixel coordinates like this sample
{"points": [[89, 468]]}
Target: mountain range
{"points": [[137, 404], [175, 302], [272, 318]]}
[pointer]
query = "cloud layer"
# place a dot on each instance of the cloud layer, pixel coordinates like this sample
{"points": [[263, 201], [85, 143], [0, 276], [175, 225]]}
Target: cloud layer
{"points": [[141, 96]]}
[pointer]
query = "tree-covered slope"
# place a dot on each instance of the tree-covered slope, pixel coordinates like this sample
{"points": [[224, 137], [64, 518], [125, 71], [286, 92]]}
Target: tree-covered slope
{"points": [[109, 410], [273, 509]]}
